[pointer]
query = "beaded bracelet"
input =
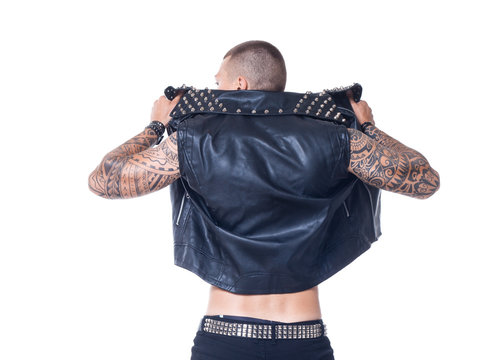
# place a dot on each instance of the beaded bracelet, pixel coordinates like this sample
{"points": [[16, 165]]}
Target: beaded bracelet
{"points": [[158, 128], [365, 125]]}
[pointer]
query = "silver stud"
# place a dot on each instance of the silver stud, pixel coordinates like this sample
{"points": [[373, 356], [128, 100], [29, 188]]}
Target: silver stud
{"points": [[212, 108], [322, 106], [316, 99], [336, 117], [216, 101], [309, 108], [209, 91], [254, 111], [297, 106], [238, 110], [224, 110], [199, 103], [266, 111], [192, 109], [202, 109], [220, 105], [313, 103], [307, 111], [301, 101], [280, 111], [295, 110]]}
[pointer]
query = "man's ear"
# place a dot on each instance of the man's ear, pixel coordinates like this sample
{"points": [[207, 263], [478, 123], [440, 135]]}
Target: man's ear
{"points": [[242, 83]]}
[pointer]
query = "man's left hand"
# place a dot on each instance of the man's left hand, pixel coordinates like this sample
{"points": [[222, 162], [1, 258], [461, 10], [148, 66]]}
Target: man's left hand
{"points": [[162, 108]]}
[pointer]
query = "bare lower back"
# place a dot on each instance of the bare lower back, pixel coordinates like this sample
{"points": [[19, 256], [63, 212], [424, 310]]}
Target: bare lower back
{"points": [[293, 307]]}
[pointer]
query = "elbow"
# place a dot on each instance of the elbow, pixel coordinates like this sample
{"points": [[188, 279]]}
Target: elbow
{"points": [[97, 184], [430, 184]]}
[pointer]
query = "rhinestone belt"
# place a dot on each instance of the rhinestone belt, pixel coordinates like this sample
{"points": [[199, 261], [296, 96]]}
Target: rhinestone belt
{"points": [[264, 331]]}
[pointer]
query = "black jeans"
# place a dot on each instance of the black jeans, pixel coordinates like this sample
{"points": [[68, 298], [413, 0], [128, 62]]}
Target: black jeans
{"points": [[209, 346]]}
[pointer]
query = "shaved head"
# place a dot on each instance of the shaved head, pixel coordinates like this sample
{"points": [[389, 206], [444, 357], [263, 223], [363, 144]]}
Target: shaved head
{"points": [[260, 63]]}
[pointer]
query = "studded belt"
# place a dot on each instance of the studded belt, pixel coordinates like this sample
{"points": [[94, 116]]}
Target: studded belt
{"points": [[309, 330]]}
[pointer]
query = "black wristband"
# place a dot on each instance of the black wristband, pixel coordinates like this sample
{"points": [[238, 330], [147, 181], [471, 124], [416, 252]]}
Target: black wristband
{"points": [[158, 128], [365, 125]]}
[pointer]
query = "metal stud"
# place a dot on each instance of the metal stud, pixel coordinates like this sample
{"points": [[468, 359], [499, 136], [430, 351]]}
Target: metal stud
{"points": [[238, 110], [224, 110], [280, 111], [337, 116], [254, 111], [212, 108], [295, 110], [266, 111], [202, 109]]}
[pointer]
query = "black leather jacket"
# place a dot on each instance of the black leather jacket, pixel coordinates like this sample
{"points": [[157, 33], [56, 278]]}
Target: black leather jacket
{"points": [[265, 203]]}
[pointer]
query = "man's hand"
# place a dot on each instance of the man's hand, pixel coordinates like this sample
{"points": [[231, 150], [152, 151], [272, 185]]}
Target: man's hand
{"points": [[362, 110], [162, 108]]}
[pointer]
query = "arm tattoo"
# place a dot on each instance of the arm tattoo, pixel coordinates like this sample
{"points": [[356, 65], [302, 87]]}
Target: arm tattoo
{"points": [[385, 163], [135, 168]]}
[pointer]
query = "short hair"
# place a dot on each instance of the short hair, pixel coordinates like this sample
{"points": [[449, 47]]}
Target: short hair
{"points": [[261, 63]]}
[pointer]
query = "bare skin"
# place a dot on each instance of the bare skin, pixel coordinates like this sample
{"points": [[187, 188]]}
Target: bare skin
{"points": [[138, 167], [294, 307]]}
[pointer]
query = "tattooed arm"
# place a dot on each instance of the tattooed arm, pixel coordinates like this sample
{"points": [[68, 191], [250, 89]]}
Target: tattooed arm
{"points": [[381, 161], [136, 168]]}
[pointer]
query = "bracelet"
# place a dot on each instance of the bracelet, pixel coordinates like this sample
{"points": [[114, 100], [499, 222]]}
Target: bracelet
{"points": [[158, 128], [365, 125]]}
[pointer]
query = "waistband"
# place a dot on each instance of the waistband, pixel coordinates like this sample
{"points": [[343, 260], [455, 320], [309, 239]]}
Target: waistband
{"points": [[262, 329]]}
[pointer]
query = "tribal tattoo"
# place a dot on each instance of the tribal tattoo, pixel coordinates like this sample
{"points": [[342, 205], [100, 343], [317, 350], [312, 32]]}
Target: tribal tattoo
{"points": [[385, 163], [135, 168]]}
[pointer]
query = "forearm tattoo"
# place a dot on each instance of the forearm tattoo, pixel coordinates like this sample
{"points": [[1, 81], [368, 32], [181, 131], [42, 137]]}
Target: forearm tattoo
{"points": [[135, 168], [385, 163]]}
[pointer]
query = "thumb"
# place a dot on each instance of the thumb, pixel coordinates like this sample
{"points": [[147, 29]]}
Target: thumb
{"points": [[351, 99]]}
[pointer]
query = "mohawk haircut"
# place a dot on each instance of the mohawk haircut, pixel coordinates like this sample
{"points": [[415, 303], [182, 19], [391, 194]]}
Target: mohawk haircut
{"points": [[261, 63]]}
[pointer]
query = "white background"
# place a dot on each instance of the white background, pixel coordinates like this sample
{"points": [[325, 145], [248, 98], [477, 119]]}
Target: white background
{"points": [[86, 278]]}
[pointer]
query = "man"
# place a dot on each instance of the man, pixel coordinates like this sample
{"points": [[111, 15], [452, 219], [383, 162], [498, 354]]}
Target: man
{"points": [[267, 198]]}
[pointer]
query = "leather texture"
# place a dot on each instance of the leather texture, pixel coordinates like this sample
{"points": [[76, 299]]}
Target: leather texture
{"points": [[265, 203]]}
